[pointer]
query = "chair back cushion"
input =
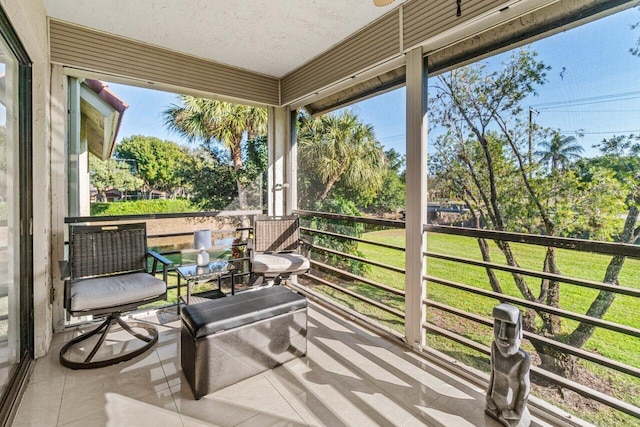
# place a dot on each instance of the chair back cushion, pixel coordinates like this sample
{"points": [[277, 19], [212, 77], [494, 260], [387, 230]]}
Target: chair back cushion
{"points": [[98, 250], [276, 234]]}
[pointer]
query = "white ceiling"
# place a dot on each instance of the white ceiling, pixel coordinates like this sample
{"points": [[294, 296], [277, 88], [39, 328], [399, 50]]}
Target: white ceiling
{"points": [[271, 37]]}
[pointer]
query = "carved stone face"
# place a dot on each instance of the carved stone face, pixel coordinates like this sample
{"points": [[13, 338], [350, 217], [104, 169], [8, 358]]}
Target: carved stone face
{"points": [[507, 337], [507, 329]]}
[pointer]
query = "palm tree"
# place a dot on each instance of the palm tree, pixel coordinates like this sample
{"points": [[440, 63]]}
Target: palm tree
{"points": [[560, 151], [341, 147], [213, 121]]}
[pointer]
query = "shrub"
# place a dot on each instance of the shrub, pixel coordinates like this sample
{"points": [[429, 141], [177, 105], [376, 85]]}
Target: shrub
{"points": [[139, 207], [347, 228]]}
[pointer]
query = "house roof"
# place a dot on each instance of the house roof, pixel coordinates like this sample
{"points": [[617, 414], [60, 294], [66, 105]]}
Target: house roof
{"points": [[102, 112]]}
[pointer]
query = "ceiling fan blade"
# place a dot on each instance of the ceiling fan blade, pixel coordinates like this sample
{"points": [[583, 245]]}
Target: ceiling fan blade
{"points": [[382, 3]]}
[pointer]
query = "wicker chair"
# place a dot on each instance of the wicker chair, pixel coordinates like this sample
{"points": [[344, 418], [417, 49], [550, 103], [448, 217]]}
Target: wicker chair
{"points": [[106, 275], [275, 248]]}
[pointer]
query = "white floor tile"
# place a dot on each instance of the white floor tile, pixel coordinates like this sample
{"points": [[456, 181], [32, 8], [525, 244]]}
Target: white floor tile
{"points": [[350, 376]]}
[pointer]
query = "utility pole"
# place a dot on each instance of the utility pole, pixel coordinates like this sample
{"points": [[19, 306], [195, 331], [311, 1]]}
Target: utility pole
{"points": [[531, 111]]}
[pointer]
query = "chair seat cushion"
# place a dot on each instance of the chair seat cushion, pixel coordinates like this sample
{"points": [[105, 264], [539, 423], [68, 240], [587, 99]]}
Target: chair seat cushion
{"points": [[113, 291], [280, 263]]}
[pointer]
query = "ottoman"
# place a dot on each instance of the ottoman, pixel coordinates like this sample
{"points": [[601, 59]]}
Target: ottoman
{"points": [[227, 340]]}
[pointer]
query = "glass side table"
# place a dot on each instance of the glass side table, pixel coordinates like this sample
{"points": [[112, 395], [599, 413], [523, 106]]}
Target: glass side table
{"points": [[192, 274]]}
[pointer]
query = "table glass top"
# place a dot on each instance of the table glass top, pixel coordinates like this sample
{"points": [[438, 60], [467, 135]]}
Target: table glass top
{"points": [[215, 268]]}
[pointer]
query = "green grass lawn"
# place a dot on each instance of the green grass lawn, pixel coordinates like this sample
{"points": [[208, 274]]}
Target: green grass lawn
{"points": [[574, 298]]}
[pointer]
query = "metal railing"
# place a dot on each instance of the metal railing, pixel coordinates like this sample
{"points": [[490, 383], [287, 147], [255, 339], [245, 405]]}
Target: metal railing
{"points": [[352, 286], [321, 264], [595, 247]]}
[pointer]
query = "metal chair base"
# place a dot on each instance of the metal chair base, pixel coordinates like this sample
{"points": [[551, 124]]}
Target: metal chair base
{"points": [[151, 338]]}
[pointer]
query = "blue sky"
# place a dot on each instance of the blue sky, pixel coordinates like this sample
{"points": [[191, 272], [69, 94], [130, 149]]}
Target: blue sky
{"points": [[594, 86]]}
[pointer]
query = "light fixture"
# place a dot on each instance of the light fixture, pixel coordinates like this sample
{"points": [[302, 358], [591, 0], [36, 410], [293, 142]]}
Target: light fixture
{"points": [[382, 3]]}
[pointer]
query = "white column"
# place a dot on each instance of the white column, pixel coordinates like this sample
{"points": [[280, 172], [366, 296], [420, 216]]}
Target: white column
{"points": [[84, 185], [278, 142], [59, 192], [416, 180], [291, 202], [74, 149]]}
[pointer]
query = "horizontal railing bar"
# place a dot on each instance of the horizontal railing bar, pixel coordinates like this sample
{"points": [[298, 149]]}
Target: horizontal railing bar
{"points": [[553, 378], [350, 218], [356, 295], [357, 239], [190, 233], [530, 304], [587, 392], [359, 278], [578, 352], [352, 314], [77, 219], [357, 258], [542, 275], [532, 239], [457, 338]]}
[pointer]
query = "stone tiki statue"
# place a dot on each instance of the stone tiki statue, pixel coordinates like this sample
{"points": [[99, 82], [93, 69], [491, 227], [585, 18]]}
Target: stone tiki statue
{"points": [[509, 384]]}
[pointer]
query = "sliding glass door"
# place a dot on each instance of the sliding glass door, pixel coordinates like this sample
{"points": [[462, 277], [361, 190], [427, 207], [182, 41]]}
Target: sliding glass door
{"points": [[16, 323]]}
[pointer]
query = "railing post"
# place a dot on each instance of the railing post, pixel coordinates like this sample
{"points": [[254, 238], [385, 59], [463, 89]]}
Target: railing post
{"points": [[416, 209]]}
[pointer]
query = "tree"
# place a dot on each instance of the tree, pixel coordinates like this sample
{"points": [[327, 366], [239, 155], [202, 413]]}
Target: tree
{"points": [[212, 180], [560, 151], [392, 195], [111, 173], [159, 163], [482, 156], [620, 156], [336, 148], [212, 122]]}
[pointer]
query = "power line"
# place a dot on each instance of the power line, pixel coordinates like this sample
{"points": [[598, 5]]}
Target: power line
{"points": [[580, 132], [596, 111], [589, 100]]}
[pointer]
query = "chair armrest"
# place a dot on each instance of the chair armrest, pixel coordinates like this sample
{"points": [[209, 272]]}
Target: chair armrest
{"points": [[166, 263], [164, 260], [307, 244], [65, 270]]}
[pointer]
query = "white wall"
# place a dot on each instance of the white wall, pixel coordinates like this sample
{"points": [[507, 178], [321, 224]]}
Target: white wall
{"points": [[28, 19]]}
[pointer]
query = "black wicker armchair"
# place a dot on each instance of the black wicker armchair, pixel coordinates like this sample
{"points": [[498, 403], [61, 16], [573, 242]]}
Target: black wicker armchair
{"points": [[106, 275]]}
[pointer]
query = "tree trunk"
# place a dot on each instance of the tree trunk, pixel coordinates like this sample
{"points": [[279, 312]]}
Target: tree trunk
{"points": [[556, 361], [603, 301], [486, 256], [550, 294], [236, 156], [331, 182]]}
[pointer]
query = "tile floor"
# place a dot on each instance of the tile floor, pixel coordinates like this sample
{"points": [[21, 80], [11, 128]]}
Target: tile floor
{"points": [[350, 377]]}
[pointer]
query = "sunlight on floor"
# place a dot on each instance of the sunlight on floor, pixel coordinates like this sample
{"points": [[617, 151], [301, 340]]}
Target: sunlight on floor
{"points": [[350, 377]]}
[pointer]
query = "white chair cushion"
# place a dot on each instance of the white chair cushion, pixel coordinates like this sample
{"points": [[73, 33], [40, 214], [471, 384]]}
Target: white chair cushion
{"points": [[276, 264], [111, 291]]}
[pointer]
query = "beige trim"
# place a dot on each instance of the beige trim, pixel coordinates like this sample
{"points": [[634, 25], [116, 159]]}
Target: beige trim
{"points": [[500, 31], [350, 68], [424, 20], [92, 50], [376, 43]]}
